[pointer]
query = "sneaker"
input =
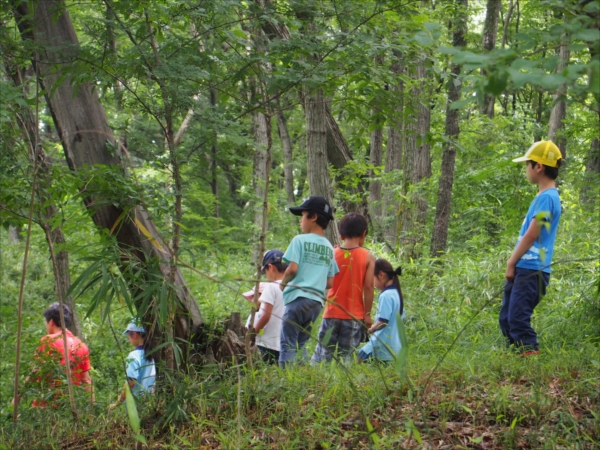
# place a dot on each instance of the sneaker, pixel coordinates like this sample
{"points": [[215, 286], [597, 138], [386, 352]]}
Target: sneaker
{"points": [[529, 353]]}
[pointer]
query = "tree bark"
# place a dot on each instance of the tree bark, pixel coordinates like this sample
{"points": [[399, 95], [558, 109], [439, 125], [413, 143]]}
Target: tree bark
{"points": [[288, 157], [559, 108], [439, 239], [417, 162], [261, 138], [376, 160], [316, 151], [393, 156], [83, 130], [590, 189], [490, 33]]}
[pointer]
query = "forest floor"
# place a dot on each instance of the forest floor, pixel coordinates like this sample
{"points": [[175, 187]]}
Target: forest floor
{"points": [[481, 401]]}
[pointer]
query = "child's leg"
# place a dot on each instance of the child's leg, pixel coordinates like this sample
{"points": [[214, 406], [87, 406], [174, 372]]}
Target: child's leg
{"points": [[310, 313], [299, 316], [529, 287], [349, 337], [503, 320], [324, 350]]}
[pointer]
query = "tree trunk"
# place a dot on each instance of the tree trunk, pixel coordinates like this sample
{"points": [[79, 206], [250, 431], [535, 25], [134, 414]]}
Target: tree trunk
{"points": [[559, 108], [590, 189], [393, 156], [417, 162], [83, 130], [376, 160], [259, 128], [288, 168], [14, 234], [442, 211], [490, 33], [316, 150], [338, 151]]}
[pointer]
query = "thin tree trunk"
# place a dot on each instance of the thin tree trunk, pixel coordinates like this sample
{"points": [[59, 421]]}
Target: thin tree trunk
{"points": [[316, 150], [376, 160], [439, 239], [14, 234], [559, 108], [288, 168], [83, 130], [261, 138], [393, 156], [590, 188], [490, 33]]}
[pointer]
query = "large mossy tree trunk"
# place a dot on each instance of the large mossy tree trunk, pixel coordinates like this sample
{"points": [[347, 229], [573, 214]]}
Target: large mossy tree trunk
{"points": [[439, 239], [88, 141]]}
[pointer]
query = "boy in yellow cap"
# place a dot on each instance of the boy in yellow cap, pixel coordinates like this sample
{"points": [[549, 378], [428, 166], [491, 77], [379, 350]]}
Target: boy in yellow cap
{"points": [[528, 268]]}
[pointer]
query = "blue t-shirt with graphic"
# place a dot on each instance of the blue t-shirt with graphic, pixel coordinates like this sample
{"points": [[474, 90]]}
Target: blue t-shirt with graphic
{"points": [[140, 370], [539, 256], [314, 256], [384, 344]]}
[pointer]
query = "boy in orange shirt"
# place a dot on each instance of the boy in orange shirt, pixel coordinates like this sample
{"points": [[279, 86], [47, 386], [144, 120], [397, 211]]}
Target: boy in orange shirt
{"points": [[350, 300]]}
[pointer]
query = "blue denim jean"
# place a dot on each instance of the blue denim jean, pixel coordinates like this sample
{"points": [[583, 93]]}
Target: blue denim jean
{"points": [[297, 323], [521, 296]]}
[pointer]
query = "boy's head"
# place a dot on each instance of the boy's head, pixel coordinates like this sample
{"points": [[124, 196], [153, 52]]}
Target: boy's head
{"points": [[543, 157], [353, 225], [53, 314], [314, 209], [273, 259]]}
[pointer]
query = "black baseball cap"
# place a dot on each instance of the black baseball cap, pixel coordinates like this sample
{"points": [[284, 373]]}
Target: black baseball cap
{"points": [[316, 204], [271, 257]]}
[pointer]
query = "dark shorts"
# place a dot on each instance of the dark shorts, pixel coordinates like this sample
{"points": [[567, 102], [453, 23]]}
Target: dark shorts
{"points": [[345, 337], [521, 296], [269, 355]]}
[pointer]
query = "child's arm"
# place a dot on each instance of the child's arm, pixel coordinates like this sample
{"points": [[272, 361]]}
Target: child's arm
{"points": [[369, 289], [123, 395], [377, 326], [524, 244], [329, 283], [266, 309], [289, 275]]}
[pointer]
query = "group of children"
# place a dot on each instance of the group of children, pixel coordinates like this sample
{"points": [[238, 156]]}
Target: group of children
{"points": [[297, 286], [297, 292], [311, 266]]}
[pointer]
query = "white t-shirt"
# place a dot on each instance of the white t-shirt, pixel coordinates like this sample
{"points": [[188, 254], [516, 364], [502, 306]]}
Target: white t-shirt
{"points": [[270, 337]]}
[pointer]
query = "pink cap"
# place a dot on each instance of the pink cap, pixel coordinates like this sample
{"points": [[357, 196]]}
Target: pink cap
{"points": [[249, 295]]}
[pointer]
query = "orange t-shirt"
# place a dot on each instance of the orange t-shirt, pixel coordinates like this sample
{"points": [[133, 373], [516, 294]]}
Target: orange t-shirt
{"points": [[51, 352], [345, 298]]}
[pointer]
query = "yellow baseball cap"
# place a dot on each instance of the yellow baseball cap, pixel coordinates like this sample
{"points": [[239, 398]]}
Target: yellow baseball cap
{"points": [[543, 152]]}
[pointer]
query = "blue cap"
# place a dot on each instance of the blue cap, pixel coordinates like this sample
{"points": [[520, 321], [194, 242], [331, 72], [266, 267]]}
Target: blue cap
{"points": [[134, 327], [271, 257]]}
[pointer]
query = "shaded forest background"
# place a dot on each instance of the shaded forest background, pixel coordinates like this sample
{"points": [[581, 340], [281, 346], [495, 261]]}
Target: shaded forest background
{"points": [[157, 145]]}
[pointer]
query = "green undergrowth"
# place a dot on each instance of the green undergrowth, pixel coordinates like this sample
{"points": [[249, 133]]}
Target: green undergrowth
{"points": [[480, 399]]}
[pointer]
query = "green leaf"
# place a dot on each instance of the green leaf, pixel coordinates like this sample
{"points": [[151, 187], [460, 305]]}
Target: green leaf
{"points": [[496, 83], [374, 436], [423, 38], [464, 102], [588, 35], [132, 412], [551, 82], [447, 50]]}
